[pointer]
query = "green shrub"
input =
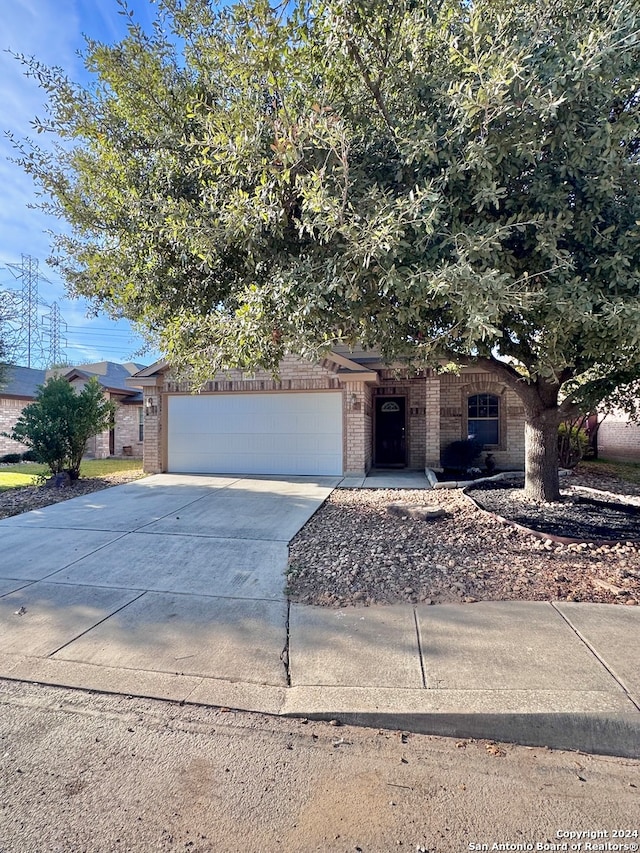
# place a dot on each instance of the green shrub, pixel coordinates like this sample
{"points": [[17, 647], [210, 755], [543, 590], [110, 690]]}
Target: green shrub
{"points": [[11, 458], [57, 426], [573, 443], [30, 456], [460, 455]]}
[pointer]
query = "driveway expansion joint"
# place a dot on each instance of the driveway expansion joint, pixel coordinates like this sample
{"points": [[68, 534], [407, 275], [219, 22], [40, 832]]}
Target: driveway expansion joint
{"points": [[284, 655], [420, 654], [95, 625]]}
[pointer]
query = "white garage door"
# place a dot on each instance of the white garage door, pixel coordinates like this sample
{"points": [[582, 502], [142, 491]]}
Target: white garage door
{"points": [[255, 433]]}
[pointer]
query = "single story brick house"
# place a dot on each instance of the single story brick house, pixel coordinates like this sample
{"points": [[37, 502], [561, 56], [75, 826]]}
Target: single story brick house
{"points": [[127, 431], [21, 386], [343, 416]]}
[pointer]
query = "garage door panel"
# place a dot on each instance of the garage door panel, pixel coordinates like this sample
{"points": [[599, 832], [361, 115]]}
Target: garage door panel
{"points": [[256, 433]]}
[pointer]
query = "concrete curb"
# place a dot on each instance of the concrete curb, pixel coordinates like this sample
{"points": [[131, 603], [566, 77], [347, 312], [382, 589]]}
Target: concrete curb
{"points": [[530, 718]]}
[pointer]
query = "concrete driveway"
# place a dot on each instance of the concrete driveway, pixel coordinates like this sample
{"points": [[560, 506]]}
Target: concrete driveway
{"points": [[172, 575]]}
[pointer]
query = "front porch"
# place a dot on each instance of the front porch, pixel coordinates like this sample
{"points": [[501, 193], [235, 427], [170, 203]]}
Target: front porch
{"points": [[381, 478]]}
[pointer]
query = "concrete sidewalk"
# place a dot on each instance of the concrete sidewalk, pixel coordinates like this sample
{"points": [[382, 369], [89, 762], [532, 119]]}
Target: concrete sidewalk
{"points": [[561, 675], [557, 674], [154, 589]]}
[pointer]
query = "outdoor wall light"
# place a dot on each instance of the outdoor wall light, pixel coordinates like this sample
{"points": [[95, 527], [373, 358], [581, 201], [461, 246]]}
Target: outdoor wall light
{"points": [[151, 407]]}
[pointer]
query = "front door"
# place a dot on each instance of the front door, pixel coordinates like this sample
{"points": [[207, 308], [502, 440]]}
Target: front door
{"points": [[390, 432]]}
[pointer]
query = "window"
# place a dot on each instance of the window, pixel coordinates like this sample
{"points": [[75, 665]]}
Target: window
{"points": [[140, 424], [483, 421]]}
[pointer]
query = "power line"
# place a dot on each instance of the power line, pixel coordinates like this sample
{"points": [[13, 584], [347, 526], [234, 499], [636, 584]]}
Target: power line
{"points": [[40, 338], [83, 330], [25, 343]]}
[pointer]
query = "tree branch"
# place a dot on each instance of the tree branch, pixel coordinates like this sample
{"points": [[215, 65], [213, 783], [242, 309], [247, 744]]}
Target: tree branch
{"points": [[372, 85]]}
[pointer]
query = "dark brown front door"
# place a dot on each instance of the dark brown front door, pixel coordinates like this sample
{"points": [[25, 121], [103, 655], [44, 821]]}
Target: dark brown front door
{"points": [[390, 431]]}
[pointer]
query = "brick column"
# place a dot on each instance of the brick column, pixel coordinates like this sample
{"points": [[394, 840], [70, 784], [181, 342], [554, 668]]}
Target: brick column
{"points": [[102, 445], [432, 418], [152, 431], [357, 426]]}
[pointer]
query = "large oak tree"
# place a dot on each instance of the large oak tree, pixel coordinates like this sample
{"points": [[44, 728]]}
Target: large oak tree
{"points": [[439, 180]]}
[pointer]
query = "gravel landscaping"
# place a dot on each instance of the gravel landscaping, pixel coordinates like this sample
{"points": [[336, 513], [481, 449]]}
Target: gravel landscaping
{"points": [[354, 550]]}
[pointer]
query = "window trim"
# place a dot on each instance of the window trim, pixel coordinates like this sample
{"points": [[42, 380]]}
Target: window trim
{"points": [[470, 393]]}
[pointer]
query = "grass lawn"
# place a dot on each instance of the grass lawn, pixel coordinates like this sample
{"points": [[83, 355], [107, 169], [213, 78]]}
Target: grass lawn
{"points": [[628, 471], [26, 473], [13, 480]]}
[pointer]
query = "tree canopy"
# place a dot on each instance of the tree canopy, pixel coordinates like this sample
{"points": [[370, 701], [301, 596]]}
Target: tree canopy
{"points": [[447, 180]]}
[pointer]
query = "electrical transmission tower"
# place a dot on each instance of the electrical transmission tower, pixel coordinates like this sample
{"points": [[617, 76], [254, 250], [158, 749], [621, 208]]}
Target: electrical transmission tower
{"points": [[24, 339], [30, 338], [53, 325]]}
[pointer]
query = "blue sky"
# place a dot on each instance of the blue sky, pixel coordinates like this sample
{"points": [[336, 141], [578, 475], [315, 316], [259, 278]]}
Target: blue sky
{"points": [[52, 31]]}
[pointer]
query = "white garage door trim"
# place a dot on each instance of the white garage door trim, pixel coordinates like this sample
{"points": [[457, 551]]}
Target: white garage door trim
{"points": [[277, 433]]}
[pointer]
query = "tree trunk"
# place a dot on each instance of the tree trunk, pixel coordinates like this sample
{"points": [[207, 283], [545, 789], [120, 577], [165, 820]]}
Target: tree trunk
{"points": [[542, 482], [542, 417]]}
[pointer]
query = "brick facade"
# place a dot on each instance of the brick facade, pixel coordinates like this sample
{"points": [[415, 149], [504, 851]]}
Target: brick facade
{"points": [[454, 393], [126, 430], [358, 422], [436, 409], [153, 432], [432, 422], [10, 410], [618, 439]]}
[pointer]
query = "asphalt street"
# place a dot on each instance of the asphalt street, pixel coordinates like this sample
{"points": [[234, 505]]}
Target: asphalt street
{"points": [[83, 771]]}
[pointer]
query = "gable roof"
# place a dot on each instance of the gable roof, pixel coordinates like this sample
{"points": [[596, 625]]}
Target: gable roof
{"points": [[340, 360], [110, 374], [21, 381]]}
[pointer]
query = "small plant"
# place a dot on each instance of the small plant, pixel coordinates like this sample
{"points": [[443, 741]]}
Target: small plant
{"points": [[573, 442], [460, 455]]}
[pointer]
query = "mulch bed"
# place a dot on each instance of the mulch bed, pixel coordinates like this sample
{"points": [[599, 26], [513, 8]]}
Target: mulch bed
{"points": [[578, 516]]}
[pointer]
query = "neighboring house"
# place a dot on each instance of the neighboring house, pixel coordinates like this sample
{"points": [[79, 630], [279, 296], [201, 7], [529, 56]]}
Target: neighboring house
{"points": [[18, 389], [125, 438], [618, 438], [340, 417], [126, 435]]}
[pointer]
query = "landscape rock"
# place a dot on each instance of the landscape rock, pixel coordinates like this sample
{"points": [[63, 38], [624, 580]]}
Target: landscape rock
{"points": [[408, 510], [353, 551]]}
